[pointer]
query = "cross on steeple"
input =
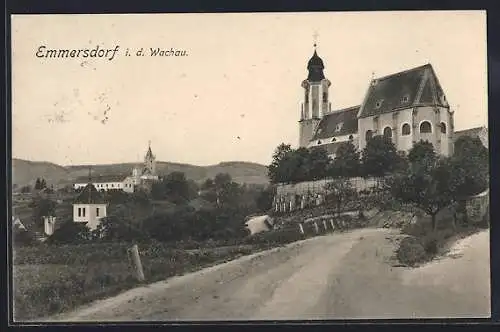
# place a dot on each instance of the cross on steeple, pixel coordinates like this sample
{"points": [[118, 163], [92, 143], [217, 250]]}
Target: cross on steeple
{"points": [[315, 37]]}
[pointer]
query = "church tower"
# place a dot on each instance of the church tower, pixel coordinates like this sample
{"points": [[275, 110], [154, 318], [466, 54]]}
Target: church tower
{"points": [[316, 99], [149, 162]]}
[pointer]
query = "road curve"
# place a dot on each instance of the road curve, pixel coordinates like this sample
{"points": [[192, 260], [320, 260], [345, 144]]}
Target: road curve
{"points": [[337, 276]]}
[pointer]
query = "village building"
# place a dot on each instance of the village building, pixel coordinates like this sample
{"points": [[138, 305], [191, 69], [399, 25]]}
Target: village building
{"points": [[406, 107], [89, 207], [139, 177]]}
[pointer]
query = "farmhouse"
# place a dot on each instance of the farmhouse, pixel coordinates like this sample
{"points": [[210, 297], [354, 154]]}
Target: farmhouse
{"points": [[89, 207]]}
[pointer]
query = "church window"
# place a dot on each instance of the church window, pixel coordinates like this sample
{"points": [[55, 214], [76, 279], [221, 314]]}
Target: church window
{"points": [[339, 125], [368, 135], [97, 212], [83, 212], [405, 130], [319, 142], [325, 97], [443, 127], [351, 137], [334, 139], [387, 132], [307, 96], [425, 127], [405, 99], [379, 103]]}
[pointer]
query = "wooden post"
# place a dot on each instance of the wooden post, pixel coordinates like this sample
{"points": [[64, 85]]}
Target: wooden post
{"points": [[301, 228], [324, 224], [316, 227], [136, 262], [331, 223]]}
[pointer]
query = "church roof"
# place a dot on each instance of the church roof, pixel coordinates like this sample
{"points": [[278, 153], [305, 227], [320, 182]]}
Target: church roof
{"points": [[89, 195], [149, 154], [330, 148], [414, 87], [472, 132], [338, 123], [315, 67]]}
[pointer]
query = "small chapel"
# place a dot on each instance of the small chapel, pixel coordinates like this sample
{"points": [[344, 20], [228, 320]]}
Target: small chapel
{"points": [[406, 107]]}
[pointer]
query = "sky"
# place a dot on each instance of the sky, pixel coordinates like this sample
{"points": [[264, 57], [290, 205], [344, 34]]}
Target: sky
{"points": [[237, 93]]}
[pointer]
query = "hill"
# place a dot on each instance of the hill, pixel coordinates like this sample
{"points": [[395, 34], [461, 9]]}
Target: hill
{"points": [[25, 172]]}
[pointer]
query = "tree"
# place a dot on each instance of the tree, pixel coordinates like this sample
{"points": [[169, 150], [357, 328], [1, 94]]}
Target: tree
{"points": [[318, 164], [421, 151], [338, 193], [428, 187], [70, 233], [264, 200], [118, 226], [346, 162], [38, 184], [42, 207], [278, 156], [379, 157], [174, 187]]}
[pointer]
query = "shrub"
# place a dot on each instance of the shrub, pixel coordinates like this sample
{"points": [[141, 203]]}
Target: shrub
{"points": [[411, 251]]}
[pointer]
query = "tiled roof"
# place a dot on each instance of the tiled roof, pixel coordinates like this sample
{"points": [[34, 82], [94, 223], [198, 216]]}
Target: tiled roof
{"points": [[472, 132], [89, 195], [338, 123], [330, 148], [102, 178], [417, 86]]}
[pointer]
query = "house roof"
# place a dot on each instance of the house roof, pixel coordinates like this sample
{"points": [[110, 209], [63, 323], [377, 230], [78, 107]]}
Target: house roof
{"points": [[338, 123], [103, 178], [89, 195], [473, 132], [414, 87]]}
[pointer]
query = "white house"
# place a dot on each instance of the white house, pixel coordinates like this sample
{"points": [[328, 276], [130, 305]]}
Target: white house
{"points": [[89, 207], [103, 182]]}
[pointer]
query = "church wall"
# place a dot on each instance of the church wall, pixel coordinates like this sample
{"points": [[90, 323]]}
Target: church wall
{"points": [[306, 129], [443, 143], [364, 125], [404, 143]]}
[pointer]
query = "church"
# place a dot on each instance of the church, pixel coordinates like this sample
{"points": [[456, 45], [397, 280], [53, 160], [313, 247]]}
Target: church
{"points": [[406, 107]]}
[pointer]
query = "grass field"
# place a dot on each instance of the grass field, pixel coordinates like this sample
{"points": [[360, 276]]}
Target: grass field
{"points": [[52, 279]]}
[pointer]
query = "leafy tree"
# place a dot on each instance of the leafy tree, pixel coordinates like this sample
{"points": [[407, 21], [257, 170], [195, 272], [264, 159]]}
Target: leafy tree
{"points": [[275, 168], [70, 233], [300, 165], [42, 207], [421, 151], [379, 157], [318, 164], [428, 187], [174, 187], [338, 193], [38, 184], [118, 226], [265, 199], [346, 162]]}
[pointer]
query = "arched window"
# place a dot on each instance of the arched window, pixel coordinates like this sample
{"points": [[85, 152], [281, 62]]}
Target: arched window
{"points": [[325, 97], [425, 127], [405, 130], [387, 132], [368, 135], [443, 127]]}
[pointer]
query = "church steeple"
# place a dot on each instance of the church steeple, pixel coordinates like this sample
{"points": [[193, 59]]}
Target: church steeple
{"points": [[315, 67]]}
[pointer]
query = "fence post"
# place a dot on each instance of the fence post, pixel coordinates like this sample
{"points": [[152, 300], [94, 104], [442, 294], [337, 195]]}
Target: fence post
{"points": [[136, 262], [301, 228], [331, 223], [316, 227], [324, 224]]}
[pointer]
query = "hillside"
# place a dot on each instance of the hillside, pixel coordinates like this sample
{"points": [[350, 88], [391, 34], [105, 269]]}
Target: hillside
{"points": [[25, 172]]}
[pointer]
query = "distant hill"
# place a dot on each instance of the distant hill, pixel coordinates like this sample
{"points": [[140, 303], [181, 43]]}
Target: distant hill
{"points": [[25, 172]]}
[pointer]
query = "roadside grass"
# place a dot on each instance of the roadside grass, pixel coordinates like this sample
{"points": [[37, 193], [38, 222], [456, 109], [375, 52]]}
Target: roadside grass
{"points": [[49, 280], [422, 244]]}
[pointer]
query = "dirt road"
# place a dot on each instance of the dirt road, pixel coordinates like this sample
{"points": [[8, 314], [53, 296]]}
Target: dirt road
{"points": [[337, 276]]}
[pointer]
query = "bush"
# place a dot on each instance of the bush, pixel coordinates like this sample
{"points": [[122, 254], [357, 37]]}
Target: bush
{"points": [[411, 251]]}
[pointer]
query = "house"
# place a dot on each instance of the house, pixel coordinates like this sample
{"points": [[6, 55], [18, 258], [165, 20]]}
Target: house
{"points": [[89, 207], [103, 182], [480, 132]]}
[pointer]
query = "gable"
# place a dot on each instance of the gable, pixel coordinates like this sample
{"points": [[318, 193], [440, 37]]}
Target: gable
{"points": [[338, 123]]}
